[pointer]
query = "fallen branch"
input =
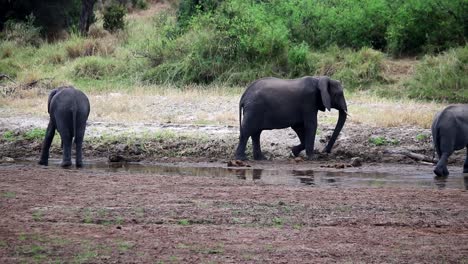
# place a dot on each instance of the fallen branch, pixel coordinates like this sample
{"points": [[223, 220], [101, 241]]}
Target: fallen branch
{"points": [[409, 154], [7, 77]]}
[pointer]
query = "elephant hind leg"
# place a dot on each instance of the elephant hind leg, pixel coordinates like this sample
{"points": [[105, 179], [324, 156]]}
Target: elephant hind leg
{"points": [[299, 129], [240, 152], [50, 133], [79, 146], [441, 167], [465, 166], [257, 151]]}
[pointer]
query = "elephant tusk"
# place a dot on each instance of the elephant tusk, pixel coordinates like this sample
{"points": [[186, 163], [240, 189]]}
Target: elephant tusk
{"points": [[346, 112]]}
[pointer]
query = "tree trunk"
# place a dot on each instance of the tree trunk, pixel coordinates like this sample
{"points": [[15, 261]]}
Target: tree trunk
{"points": [[86, 15]]}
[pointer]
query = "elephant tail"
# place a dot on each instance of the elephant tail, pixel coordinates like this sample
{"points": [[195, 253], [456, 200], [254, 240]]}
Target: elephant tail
{"points": [[51, 95], [74, 110]]}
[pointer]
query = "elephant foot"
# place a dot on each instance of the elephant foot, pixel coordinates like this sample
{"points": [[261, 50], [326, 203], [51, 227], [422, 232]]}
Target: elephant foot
{"points": [[43, 162], [326, 150], [296, 150], [260, 157], [441, 172], [65, 164], [79, 164]]}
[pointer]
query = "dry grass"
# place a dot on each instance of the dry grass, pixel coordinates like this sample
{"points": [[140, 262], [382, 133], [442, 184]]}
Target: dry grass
{"points": [[91, 47], [374, 111], [219, 106]]}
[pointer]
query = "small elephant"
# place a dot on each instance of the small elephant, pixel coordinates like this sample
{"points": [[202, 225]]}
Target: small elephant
{"points": [[273, 103], [450, 133], [69, 110]]}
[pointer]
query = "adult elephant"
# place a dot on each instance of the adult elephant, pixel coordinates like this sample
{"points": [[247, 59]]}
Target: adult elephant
{"points": [[450, 133], [69, 110], [273, 103]]}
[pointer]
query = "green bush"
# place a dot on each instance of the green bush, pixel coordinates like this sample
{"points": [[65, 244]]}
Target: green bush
{"points": [[94, 68], [23, 33], [114, 17], [9, 67], [237, 41], [442, 78], [427, 26], [140, 4]]}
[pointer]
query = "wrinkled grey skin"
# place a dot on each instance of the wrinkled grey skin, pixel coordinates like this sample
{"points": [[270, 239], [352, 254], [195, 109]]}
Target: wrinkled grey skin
{"points": [[273, 103], [68, 109], [450, 133]]}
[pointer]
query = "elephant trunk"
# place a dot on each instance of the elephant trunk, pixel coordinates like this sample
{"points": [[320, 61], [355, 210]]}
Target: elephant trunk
{"points": [[336, 132]]}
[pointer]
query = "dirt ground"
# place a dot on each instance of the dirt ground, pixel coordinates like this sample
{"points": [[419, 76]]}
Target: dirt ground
{"points": [[51, 215]]}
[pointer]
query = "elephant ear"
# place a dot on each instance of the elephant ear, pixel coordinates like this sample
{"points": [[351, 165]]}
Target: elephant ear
{"points": [[323, 87], [51, 95]]}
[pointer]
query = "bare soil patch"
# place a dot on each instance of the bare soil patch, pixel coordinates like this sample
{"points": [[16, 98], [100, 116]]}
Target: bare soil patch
{"points": [[96, 217]]}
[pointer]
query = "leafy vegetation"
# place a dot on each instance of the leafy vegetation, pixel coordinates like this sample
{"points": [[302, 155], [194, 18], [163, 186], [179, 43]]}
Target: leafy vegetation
{"points": [[235, 42], [443, 77], [382, 141]]}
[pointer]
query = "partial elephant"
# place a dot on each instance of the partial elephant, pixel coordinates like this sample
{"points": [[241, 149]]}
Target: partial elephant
{"points": [[273, 103], [450, 133], [69, 110]]}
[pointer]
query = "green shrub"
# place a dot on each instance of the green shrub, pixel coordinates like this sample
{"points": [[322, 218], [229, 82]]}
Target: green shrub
{"points": [[94, 68], [140, 4], [23, 33], [114, 17], [442, 78], [9, 67], [299, 60], [89, 47], [427, 26]]}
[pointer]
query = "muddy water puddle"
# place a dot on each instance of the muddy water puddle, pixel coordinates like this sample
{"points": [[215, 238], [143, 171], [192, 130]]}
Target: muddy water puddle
{"points": [[291, 177]]}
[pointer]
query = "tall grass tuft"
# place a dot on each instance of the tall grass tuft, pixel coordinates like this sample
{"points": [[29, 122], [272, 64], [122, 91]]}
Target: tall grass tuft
{"points": [[442, 78]]}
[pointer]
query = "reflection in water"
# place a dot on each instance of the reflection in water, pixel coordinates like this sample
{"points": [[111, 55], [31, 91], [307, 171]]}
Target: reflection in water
{"points": [[336, 179]]}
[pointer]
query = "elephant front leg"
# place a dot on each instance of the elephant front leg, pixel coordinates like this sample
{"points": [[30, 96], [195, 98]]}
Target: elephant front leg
{"points": [[310, 130], [296, 150], [47, 142], [441, 167]]}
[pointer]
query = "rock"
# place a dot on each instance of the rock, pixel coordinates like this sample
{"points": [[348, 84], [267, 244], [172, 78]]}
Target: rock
{"points": [[356, 162], [7, 160], [298, 159], [116, 158], [237, 163]]}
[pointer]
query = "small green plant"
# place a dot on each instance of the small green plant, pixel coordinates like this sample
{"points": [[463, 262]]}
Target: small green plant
{"points": [[184, 222], [37, 216], [114, 17], [35, 134], [382, 141], [422, 137], [9, 195], [9, 136], [378, 141], [278, 222], [124, 246]]}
